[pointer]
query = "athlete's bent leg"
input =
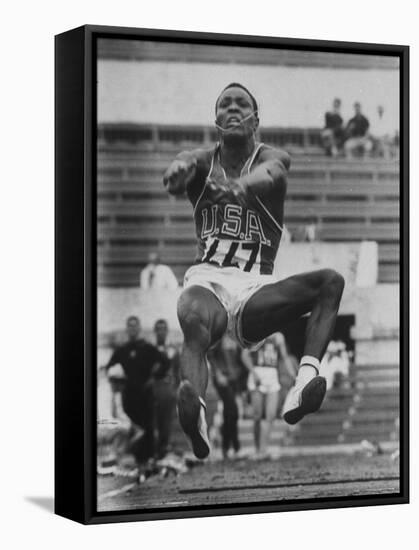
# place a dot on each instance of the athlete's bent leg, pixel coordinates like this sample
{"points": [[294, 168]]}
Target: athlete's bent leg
{"points": [[278, 304], [203, 321]]}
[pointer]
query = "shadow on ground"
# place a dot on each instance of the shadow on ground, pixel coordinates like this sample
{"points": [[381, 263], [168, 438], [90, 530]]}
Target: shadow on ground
{"points": [[46, 503]]}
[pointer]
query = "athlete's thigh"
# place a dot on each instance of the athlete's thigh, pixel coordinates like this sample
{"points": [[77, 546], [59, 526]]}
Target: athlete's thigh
{"points": [[257, 401], [198, 305], [275, 305], [271, 405]]}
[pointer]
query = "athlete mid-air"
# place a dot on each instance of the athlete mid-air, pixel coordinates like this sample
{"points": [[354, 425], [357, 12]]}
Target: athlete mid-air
{"points": [[237, 190]]}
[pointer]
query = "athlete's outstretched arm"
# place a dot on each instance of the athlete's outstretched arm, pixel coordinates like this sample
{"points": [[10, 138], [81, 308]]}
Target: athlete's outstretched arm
{"points": [[188, 173], [180, 172]]}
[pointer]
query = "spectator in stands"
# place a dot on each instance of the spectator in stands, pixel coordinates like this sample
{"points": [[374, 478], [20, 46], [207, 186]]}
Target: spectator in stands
{"points": [[166, 381], [379, 134], [138, 359], [358, 141], [333, 132], [227, 370], [157, 276]]}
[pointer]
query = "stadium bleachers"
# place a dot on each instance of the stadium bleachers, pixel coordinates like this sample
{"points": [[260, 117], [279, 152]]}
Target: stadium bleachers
{"points": [[367, 407], [349, 201]]}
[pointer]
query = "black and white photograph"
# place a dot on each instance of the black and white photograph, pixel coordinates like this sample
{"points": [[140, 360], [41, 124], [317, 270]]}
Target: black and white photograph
{"points": [[248, 265], [157, 389]]}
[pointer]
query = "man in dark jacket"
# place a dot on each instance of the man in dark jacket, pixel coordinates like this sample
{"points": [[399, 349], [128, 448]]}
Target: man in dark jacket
{"points": [[357, 137], [139, 360]]}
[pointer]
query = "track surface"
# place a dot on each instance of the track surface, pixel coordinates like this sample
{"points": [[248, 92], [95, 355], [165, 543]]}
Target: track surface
{"points": [[244, 481]]}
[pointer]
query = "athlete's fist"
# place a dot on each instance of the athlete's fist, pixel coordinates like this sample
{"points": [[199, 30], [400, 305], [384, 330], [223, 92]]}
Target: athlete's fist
{"points": [[229, 189], [179, 174]]}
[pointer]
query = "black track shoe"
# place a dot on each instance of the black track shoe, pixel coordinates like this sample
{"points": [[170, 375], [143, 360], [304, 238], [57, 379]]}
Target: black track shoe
{"points": [[191, 412], [300, 402]]}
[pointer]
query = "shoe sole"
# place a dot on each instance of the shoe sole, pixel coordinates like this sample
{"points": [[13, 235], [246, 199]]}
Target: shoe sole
{"points": [[189, 408], [311, 399]]}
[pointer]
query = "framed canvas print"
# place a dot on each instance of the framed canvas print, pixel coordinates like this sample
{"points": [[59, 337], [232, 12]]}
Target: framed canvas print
{"points": [[231, 274]]}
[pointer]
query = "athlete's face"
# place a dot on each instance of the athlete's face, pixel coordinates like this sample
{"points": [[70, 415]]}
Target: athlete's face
{"points": [[235, 112]]}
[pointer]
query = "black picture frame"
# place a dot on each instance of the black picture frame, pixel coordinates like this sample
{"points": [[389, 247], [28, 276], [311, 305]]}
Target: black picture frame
{"points": [[75, 272]]}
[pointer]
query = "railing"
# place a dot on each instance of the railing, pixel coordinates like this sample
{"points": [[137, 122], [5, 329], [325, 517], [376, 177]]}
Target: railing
{"points": [[156, 137]]}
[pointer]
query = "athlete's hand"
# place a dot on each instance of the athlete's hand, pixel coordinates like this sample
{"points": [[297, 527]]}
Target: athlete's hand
{"points": [[179, 174], [230, 186]]}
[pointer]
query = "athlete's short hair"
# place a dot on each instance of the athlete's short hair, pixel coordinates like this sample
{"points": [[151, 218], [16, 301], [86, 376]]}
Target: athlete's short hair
{"points": [[238, 85]]}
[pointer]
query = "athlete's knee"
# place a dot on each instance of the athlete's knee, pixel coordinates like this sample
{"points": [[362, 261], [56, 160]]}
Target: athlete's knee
{"points": [[194, 319], [333, 283]]}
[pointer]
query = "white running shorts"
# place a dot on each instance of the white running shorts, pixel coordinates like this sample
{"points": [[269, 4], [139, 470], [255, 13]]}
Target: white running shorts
{"points": [[233, 288], [269, 382]]}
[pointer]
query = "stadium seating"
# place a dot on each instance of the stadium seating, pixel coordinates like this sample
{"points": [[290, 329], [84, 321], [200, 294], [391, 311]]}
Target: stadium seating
{"points": [[349, 201]]}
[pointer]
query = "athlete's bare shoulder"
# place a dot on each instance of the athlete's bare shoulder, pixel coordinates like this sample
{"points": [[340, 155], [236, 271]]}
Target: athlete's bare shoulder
{"points": [[268, 153]]}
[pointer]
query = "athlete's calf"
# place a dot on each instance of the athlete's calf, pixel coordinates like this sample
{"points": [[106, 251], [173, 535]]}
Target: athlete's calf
{"points": [[203, 321]]}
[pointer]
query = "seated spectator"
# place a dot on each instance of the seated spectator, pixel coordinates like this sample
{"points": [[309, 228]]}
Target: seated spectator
{"points": [[156, 275], [333, 132], [358, 141]]}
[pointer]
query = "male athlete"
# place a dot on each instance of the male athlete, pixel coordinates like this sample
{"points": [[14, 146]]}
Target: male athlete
{"points": [[237, 190]]}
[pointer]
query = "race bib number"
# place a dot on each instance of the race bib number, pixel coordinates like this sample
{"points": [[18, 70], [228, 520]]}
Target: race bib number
{"points": [[226, 253]]}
